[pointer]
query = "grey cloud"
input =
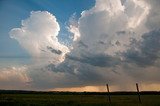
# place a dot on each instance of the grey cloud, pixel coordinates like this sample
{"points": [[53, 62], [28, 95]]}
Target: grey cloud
{"points": [[59, 52], [118, 43], [83, 44], [99, 60], [147, 51], [84, 74], [63, 67], [43, 50], [123, 1], [121, 32], [88, 75], [101, 42], [153, 21]]}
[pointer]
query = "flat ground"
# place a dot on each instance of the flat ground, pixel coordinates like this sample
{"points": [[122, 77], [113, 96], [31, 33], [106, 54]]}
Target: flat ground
{"points": [[76, 99]]}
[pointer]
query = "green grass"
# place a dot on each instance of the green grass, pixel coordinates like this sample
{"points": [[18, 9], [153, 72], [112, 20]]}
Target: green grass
{"points": [[76, 100]]}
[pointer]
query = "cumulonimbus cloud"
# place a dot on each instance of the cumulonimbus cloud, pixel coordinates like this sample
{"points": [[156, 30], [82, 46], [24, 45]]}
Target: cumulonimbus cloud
{"points": [[38, 33], [112, 42], [103, 38], [100, 28]]}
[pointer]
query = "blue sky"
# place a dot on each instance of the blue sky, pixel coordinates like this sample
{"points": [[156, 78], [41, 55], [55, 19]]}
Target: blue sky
{"points": [[13, 11]]}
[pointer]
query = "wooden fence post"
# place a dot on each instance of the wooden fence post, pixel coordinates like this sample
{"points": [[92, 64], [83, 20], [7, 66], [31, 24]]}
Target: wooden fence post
{"points": [[109, 98], [139, 97]]}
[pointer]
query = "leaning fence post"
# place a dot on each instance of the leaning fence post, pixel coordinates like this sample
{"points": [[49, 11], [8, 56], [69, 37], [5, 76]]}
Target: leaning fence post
{"points": [[109, 98], [139, 97]]}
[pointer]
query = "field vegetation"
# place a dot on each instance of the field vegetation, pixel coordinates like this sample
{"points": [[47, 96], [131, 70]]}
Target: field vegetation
{"points": [[31, 98]]}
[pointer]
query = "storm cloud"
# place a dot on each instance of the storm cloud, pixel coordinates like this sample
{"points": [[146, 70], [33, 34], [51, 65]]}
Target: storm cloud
{"points": [[100, 60], [147, 51], [116, 41]]}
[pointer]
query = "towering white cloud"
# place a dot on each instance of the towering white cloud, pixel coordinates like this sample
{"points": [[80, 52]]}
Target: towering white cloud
{"points": [[38, 35], [109, 26], [103, 34]]}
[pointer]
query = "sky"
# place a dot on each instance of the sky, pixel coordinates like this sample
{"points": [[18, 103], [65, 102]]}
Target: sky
{"points": [[69, 45]]}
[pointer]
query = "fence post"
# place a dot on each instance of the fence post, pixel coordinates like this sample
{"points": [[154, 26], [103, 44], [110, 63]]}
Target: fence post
{"points": [[139, 97], [109, 98]]}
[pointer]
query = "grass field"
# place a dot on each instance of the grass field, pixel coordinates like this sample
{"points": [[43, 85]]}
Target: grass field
{"points": [[76, 99]]}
